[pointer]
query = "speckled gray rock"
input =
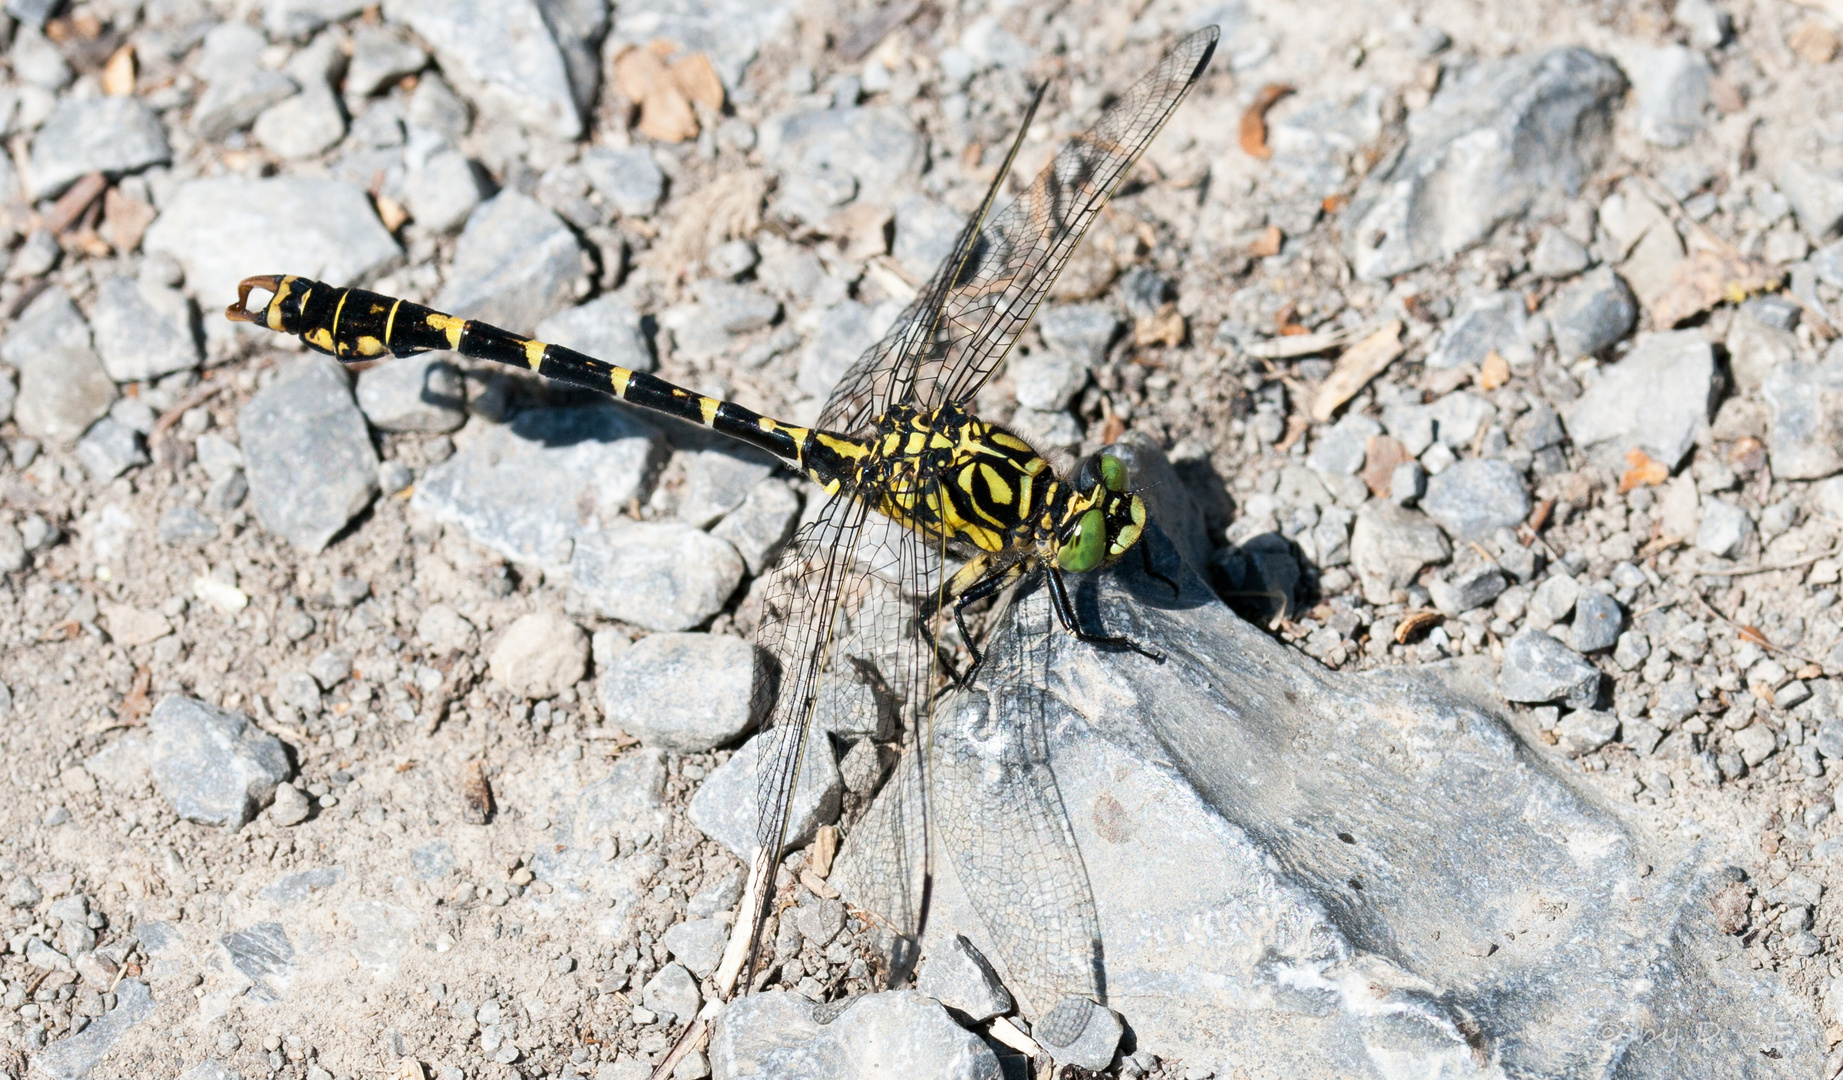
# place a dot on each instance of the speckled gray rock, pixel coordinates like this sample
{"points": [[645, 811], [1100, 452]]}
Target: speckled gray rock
{"points": [[1672, 90], [1806, 437], [307, 454], [225, 228], [1597, 622], [506, 481], [1537, 669], [729, 31], [1656, 399], [697, 944], [925, 233], [73, 1056], [660, 575], [541, 655], [726, 807], [1585, 730], [718, 478], [763, 522], [112, 135], [1557, 255], [684, 692], [413, 393], [212, 765], [441, 190], [876, 146], [1081, 1033], [960, 977], [1816, 196], [232, 100], [848, 329], [607, 328], [1591, 315], [1083, 331], [626, 176], [1047, 380], [673, 994], [1389, 545], [379, 57], [301, 126], [900, 1033], [1476, 497], [297, 18], [142, 330], [502, 56], [1467, 589], [1341, 448], [1504, 138], [62, 391], [1484, 323], [108, 449], [1724, 528], [1553, 600], [1755, 349], [515, 264]]}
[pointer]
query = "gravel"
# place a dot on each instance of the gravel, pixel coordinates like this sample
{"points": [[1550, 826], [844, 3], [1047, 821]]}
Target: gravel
{"points": [[1475, 498], [1538, 668], [308, 455], [540, 656], [415, 393], [959, 977]]}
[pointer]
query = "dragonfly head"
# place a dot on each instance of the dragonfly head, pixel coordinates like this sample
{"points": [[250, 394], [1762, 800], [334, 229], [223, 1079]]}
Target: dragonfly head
{"points": [[1104, 519]]}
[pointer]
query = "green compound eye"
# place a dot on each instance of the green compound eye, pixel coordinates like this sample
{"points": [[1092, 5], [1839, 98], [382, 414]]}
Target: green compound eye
{"points": [[1082, 551], [1113, 473]]}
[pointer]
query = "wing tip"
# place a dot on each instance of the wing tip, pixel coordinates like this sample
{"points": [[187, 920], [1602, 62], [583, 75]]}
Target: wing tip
{"points": [[1210, 35]]}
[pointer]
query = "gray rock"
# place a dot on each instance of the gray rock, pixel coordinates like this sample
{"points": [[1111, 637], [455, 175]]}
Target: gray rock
{"points": [[1390, 544], [441, 190], [1816, 196], [1827, 263], [290, 806], [379, 58], [220, 227], [213, 766], [1755, 743], [1557, 255], [1725, 528], [1516, 135], [108, 449], [735, 309], [413, 393], [627, 177], [1672, 92], [726, 806], [516, 264], [1538, 429], [1755, 349], [818, 919], [113, 135], [1411, 424], [142, 330], [1537, 669], [1261, 574], [504, 483], [607, 328], [218, 456], [1806, 437], [541, 655], [1830, 738], [263, 954], [876, 146], [434, 106], [235, 98], [1459, 417], [1081, 1033], [1047, 380], [1586, 730], [732, 259], [659, 575], [763, 522], [302, 126], [1474, 498], [673, 994], [684, 692], [958, 976], [925, 233], [1485, 322], [718, 478], [1340, 450], [504, 57], [697, 944], [900, 1033], [62, 391], [1473, 588], [624, 807], [729, 31], [73, 1056], [36, 59], [183, 526], [1407, 483], [1655, 400], [848, 329], [1085, 331], [1632, 649], [1597, 621], [307, 454], [1591, 315]]}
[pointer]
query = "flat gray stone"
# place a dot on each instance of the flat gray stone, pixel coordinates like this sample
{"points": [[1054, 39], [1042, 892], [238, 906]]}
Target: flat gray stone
{"points": [[142, 330], [265, 956], [1046, 380], [1755, 349], [441, 190], [1724, 529], [673, 994], [73, 1056], [1389, 545], [925, 233], [1557, 255], [659, 575], [1591, 315], [413, 393], [1597, 622], [307, 454], [627, 177], [541, 655], [302, 126], [1806, 436], [1671, 86], [1507, 137], [379, 58], [108, 449], [1816, 196], [847, 330], [726, 806], [1656, 399], [298, 18], [62, 391], [112, 135], [730, 32], [876, 146], [1340, 450], [763, 522], [1468, 589], [697, 944], [515, 264], [607, 328], [718, 478], [1632, 649], [1084, 331], [1458, 417], [232, 100], [899, 1033], [507, 482], [1484, 323], [212, 765], [684, 692], [1553, 600], [222, 229], [502, 56], [1586, 730], [1081, 1033], [1476, 497], [1538, 669], [960, 977]]}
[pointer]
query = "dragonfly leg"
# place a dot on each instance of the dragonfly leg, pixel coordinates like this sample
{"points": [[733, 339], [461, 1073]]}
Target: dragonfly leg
{"points": [[1065, 614]]}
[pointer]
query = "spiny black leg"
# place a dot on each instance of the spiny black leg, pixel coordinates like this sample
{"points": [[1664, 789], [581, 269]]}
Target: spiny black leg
{"points": [[1145, 555], [1065, 614], [978, 590]]}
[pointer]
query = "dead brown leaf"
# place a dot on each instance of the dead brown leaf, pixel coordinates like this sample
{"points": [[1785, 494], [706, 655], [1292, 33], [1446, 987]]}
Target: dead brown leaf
{"points": [[1540, 515], [1753, 634], [1642, 471], [1384, 454], [825, 849], [1254, 120], [697, 80], [391, 213], [1268, 243], [118, 73], [1748, 455], [665, 92], [1730, 907], [1813, 42], [71, 205], [1708, 278], [1494, 372], [863, 226], [1163, 327], [125, 220], [1359, 364], [1413, 622], [476, 794], [134, 706]]}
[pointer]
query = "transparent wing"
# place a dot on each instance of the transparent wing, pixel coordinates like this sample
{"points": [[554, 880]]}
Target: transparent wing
{"points": [[953, 336]]}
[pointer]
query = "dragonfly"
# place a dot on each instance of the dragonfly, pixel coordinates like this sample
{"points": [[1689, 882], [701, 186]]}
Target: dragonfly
{"points": [[927, 508]]}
